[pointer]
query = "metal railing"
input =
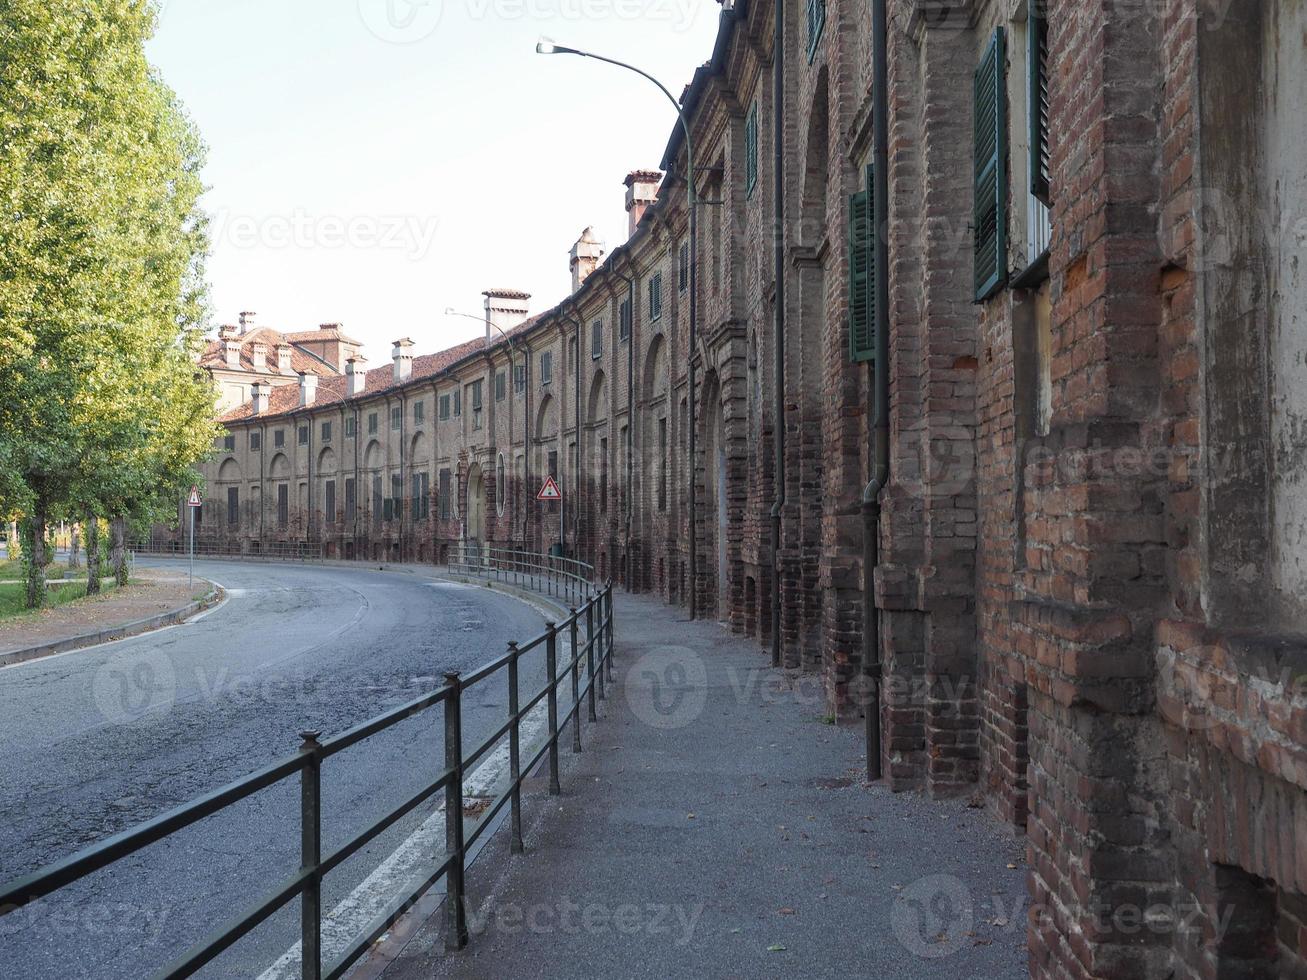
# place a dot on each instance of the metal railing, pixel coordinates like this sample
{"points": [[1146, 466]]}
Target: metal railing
{"points": [[594, 655], [552, 575], [229, 548]]}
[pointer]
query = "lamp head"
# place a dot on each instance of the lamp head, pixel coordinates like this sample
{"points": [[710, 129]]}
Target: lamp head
{"points": [[546, 46]]}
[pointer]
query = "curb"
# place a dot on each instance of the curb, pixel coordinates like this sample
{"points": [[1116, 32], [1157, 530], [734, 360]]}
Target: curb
{"points": [[170, 618]]}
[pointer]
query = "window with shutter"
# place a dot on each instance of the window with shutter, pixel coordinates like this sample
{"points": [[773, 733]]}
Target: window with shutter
{"points": [[816, 24], [990, 149], [683, 269], [751, 151], [862, 274], [1037, 70], [624, 321], [596, 340]]}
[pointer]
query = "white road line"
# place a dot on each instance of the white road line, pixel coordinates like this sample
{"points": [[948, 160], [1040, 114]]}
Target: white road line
{"points": [[344, 923]]}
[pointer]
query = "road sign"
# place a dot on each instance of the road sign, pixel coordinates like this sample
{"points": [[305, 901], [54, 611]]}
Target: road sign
{"points": [[194, 499], [550, 491]]}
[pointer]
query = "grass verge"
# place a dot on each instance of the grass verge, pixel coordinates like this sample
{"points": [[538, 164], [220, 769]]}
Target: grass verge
{"points": [[11, 596]]}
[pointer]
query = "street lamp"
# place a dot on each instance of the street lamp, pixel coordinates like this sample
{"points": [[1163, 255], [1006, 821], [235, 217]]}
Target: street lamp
{"points": [[546, 46], [526, 405]]}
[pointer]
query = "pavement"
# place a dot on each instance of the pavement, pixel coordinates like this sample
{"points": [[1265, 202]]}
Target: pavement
{"points": [[152, 599], [716, 825], [101, 739]]}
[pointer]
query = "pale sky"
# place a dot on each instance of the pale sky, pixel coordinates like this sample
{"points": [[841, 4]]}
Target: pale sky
{"points": [[372, 162]]}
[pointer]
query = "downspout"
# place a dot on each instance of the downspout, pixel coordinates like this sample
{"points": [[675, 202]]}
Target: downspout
{"points": [[878, 446], [778, 315], [630, 417]]}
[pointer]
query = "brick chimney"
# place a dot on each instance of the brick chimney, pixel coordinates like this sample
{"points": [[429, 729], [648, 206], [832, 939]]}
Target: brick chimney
{"points": [[283, 359], [259, 355], [247, 321], [585, 257], [356, 376], [227, 331], [402, 355], [641, 191], [259, 396], [232, 351], [506, 309], [308, 389]]}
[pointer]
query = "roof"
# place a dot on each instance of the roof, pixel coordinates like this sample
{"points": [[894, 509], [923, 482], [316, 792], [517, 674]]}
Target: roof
{"points": [[330, 331], [301, 362], [285, 399]]}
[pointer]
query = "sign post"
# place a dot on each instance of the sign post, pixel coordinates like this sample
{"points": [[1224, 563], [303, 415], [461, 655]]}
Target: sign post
{"points": [[193, 503]]}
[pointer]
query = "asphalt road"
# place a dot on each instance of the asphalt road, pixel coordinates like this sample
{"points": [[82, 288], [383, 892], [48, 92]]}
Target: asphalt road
{"points": [[96, 741]]}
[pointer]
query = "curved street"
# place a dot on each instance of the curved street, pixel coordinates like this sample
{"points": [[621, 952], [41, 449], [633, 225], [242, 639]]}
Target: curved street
{"points": [[101, 739]]}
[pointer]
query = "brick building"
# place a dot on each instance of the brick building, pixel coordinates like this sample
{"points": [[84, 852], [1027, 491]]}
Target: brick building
{"points": [[249, 354], [1039, 297]]}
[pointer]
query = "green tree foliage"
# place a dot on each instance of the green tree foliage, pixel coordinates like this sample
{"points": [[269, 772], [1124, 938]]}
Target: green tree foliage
{"points": [[102, 298]]}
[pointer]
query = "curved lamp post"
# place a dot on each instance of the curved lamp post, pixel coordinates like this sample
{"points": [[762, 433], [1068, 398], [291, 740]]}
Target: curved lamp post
{"points": [[546, 46], [526, 405]]}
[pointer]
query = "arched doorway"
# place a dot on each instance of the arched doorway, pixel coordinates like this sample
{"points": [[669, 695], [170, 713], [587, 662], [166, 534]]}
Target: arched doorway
{"points": [[475, 528]]}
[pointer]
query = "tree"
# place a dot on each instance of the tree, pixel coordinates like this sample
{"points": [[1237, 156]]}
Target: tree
{"points": [[102, 245]]}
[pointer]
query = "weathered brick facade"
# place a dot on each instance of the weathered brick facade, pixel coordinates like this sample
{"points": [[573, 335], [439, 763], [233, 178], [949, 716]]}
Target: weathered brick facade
{"points": [[1093, 553]]}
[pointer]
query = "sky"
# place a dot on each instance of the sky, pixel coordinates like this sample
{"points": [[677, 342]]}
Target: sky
{"points": [[375, 162]]}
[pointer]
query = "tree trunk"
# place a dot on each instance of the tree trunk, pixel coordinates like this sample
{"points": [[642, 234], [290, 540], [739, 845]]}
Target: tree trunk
{"points": [[118, 549], [11, 534], [74, 558], [92, 554], [35, 557]]}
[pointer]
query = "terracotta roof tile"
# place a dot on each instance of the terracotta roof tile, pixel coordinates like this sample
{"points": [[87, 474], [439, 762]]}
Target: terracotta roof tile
{"points": [[215, 354]]}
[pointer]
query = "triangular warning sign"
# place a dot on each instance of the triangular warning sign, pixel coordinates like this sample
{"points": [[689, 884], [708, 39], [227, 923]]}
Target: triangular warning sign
{"points": [[194, 499], [550, 491]]}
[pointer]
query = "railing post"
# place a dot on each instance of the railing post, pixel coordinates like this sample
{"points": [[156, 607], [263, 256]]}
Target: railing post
{"points": [[311, 857], [515, 750], [576, 683], [590, 655], [603, 635], [611, 632], [551, 669], [455, 910]]}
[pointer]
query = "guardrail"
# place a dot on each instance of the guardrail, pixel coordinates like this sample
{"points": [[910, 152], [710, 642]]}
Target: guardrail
{"points": [[596, 653], [551, 574]]}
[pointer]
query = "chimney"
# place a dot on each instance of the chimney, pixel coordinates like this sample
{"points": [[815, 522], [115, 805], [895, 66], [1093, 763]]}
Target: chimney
{"points": [[586, 254], [259, 395], [403, 357], [506, 309], [259, 354], [356, 376], [283, 359], [330, 326], [247, 321], [308, 389], [226, 331], [232, 350], [641, 191]]}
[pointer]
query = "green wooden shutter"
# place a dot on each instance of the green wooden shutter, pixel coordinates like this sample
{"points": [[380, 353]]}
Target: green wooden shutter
{"points": [[862, 273], [751, 151], [1037, 101], [990, 214], [816, 23]]}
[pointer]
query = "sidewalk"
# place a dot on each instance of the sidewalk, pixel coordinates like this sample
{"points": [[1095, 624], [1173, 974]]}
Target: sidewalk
{"points": [[152, 599], [716, 826]]}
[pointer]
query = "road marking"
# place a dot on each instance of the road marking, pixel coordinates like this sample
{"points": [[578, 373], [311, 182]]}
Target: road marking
{"points": [[366, 903]]}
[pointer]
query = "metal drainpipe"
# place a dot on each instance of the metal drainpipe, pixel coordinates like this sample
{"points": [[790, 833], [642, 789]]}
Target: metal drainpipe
{"points": [[630, 414], [576, 466], [694, 338], [778, 316], [878, 447]]}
